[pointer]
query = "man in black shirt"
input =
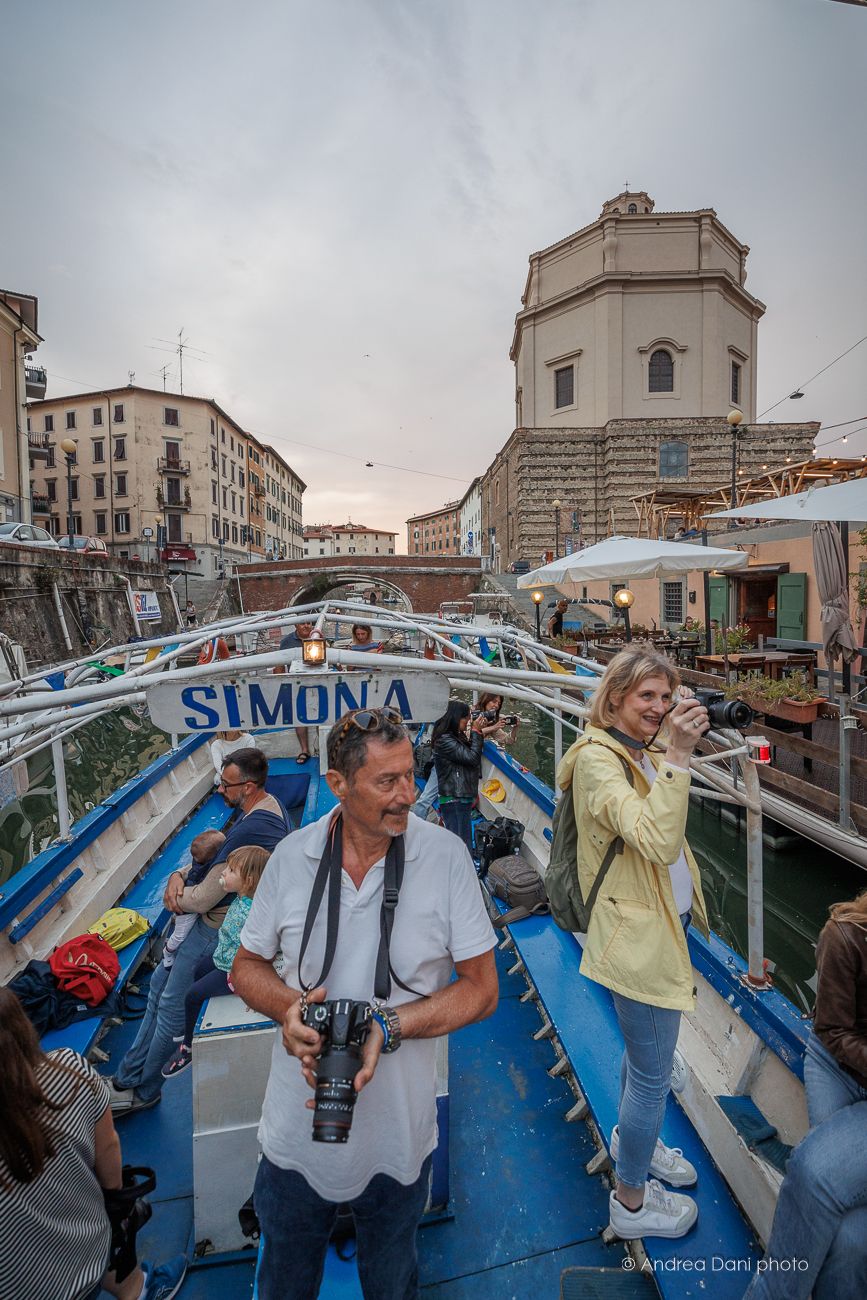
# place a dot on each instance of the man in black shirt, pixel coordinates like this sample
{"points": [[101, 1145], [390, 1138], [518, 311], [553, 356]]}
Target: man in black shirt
{"points": [[294, 641], [555, 622]]}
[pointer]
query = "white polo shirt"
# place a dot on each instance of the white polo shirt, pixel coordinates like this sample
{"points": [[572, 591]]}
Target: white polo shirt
{"points": [[440, 919]]}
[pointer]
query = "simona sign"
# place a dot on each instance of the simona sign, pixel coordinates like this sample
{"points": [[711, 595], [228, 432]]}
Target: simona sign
{"points": [[299, 699]]}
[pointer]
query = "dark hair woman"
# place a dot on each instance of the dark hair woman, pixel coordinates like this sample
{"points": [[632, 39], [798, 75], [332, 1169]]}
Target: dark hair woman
{"points": [[457, 750], [489, 707], [58, 1151]]}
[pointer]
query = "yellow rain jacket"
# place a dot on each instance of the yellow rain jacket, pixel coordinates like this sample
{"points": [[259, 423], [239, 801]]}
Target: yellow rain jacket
{"points": [[635, 943]]}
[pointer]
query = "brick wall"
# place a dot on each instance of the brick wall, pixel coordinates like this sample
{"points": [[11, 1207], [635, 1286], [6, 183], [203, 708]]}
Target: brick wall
{"points": [[599, 471]]}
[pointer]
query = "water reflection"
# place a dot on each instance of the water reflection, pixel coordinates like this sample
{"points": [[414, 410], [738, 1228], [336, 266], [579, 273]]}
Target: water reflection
{"points": [[98, 757]]}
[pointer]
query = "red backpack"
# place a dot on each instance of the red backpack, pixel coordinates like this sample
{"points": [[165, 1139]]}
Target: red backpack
{"points": [[85, 966]]}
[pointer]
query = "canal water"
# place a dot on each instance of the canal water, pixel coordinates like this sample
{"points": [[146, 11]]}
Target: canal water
{"points": [[801, 880]]}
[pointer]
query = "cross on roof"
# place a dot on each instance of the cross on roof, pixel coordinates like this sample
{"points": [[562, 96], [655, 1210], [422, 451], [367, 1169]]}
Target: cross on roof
{"points": [[626, 187]]}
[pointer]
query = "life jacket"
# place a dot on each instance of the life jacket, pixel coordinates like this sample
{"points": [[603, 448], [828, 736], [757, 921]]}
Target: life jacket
{"points": [[216, 648]]}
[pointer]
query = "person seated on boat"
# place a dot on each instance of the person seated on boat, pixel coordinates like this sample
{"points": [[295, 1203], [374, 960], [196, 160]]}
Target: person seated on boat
{"points": [[362, 638], [489, 707], [224, 744], [259, 819], [821, 1215], [457, 748], [293, 642], [203, 850], [59, 1154], [240, 876], [441, 928], [631, 791], [555, 622]]}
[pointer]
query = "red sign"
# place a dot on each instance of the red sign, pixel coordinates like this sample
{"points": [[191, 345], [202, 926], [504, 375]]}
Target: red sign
{"points": [[177, 553]]}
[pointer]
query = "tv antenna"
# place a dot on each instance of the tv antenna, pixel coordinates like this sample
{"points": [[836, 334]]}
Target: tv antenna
{"points": [[180, 348]]}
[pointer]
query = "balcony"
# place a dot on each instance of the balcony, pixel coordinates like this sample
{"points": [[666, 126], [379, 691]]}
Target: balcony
{"points": [[41, 503], [169, 465], [171, 502], [36, 381], [39, 445]]}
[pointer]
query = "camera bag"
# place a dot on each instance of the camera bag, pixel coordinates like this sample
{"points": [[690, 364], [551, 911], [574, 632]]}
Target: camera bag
{"points": [[518, 884], [569, 907], [497, 839]]}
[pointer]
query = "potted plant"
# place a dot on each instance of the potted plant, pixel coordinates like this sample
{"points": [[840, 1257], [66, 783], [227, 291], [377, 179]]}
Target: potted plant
{"points": [[733, 639], [791, 698]]}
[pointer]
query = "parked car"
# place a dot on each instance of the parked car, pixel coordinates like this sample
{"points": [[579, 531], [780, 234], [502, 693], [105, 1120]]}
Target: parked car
{"points": [[27, 535], [519, 566], [90, 545]]}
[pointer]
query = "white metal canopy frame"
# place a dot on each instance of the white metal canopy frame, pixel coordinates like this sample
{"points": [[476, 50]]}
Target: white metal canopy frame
{"points": [[835, 503], [630, 558]]}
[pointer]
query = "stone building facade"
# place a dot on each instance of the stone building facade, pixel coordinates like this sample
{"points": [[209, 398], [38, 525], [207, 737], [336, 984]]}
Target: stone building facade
{"points": [[595, 473], [636, 337], [436, 533], [347, 539], [18, 382]]}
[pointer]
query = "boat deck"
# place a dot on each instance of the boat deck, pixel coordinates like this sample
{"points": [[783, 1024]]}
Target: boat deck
{"points": [[523, 1208]]}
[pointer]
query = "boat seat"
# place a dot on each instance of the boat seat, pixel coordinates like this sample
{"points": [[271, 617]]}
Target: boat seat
{"points": [[582, 1017], [146, 898]]}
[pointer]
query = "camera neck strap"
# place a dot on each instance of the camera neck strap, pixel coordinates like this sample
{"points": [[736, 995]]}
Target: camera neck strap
{"points": [[328, 874]]}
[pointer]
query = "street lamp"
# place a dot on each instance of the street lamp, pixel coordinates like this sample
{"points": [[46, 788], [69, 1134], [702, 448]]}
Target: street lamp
{"points": [[556, 504], [624, 600], [69, 449], [733, 419], [537, 598]]}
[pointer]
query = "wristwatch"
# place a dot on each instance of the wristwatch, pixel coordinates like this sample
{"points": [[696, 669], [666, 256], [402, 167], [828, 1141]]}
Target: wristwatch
{"points": [[389, 1022]]}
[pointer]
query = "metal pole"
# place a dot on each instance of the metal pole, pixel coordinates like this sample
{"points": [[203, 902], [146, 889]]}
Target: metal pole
{"points": [[847, 667], [733, 522], [628, 625], [708, 644], [756, 974], [557, 533], [847, 724], [558, 729], [538, 622], [70, 521], [64, 822]]}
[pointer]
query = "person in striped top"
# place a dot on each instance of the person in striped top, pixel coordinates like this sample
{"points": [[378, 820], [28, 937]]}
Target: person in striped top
{"points": [[59, 1152]]}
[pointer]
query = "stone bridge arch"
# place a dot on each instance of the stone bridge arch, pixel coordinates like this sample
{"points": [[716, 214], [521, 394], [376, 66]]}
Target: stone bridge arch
{"points": [[418, 583], [351, 587]]}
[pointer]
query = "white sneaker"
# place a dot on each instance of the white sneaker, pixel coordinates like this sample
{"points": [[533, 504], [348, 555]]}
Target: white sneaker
{"points": [[663, 1214], [668, 1163]]}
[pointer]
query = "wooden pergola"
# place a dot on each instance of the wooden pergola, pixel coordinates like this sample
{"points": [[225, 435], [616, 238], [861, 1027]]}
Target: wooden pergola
{"points": [[662, 511]]}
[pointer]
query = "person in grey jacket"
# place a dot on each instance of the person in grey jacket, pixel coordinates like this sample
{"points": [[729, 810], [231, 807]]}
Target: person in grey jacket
{"points": [[457, 750]]}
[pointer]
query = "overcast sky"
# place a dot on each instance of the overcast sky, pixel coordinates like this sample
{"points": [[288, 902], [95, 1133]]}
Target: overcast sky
{"points": [[337, 200]]}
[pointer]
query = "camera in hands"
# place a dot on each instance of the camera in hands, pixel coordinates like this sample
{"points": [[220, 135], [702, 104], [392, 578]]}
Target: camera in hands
{"points": [[344, 1026], [723, 712]]}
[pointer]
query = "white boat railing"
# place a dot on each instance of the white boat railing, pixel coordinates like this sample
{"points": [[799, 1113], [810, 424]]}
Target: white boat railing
{"points": [[33, 718]]}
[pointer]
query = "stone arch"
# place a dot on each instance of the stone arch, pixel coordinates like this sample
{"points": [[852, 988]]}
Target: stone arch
{"points": [[324, 584]]}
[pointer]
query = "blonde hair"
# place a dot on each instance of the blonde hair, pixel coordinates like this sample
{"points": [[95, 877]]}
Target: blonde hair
{"points": [[249, 862], [626, 671], [854, 909]]}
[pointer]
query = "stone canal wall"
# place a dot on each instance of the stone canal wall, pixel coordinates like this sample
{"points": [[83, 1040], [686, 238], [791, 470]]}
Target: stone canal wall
{"points": [[92, 592]]}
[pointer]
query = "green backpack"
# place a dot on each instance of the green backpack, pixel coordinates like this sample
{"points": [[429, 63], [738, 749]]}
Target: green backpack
{"points": [[569, 908]]}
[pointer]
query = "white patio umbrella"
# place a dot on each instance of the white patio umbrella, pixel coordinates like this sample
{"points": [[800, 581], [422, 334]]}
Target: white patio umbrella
{"points": [[630, 557]]}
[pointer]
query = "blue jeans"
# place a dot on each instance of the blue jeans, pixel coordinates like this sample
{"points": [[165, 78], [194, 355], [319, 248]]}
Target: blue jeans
{"points": [[428, 796], [650, 1034], [296, 1224], [457, 817], [163, 1025], [818, 1243], [828, 1085]]}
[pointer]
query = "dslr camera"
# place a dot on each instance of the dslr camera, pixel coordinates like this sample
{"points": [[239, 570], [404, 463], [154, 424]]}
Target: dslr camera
{"points": [[487, 715], [344, 1026], [723, 712]]}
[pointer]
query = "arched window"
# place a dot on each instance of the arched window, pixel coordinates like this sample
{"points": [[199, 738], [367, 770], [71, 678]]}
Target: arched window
{"points": [[660, 372], [673, 460], [633, 207]]}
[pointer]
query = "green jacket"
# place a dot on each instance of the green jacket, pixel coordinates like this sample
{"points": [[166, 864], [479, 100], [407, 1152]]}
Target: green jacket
{"points": [[635, 943]]}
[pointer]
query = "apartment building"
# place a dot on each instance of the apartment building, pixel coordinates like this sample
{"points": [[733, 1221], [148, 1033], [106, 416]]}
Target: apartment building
{"points": [[470, 519], [159, 476], [18, 382], [437, 532], [275, 504], [347, 539]]}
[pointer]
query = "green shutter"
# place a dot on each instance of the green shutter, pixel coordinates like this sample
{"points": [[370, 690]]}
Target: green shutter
{"points": [[791, 604], [719, 600]]}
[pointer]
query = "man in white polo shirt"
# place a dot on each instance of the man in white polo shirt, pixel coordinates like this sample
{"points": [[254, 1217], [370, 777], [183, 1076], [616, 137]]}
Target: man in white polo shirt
{"points": [[440, 927]]}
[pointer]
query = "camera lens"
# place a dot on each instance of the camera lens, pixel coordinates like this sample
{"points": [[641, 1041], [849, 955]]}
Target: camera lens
{"points": [[335, 1094], [738, 715]]}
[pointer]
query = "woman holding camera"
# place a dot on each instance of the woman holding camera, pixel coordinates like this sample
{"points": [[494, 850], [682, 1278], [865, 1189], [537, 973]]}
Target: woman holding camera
{"points": [[457, 749], [631, 792], [488, 708]]}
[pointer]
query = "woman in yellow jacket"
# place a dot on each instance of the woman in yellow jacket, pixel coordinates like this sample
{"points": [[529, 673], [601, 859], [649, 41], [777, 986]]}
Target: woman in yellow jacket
{"points": [[636, 941]]}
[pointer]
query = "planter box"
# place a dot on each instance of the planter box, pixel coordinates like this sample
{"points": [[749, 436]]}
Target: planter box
{"points": [[803, 712]]}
